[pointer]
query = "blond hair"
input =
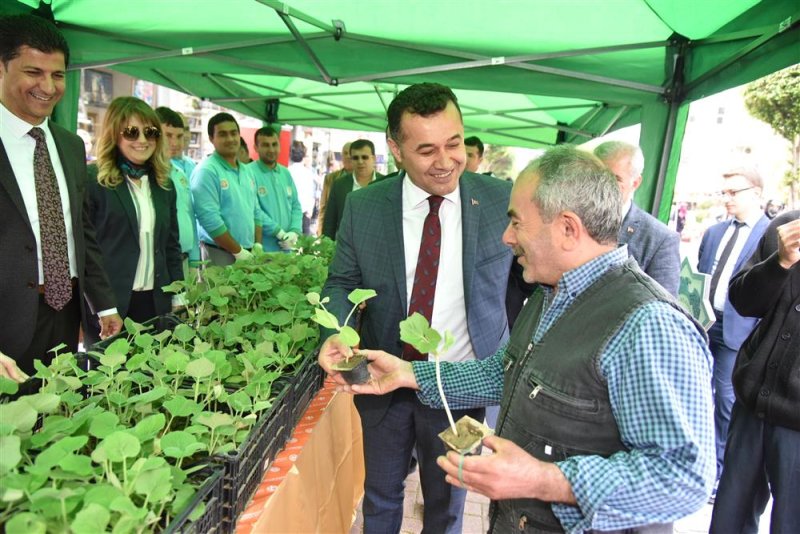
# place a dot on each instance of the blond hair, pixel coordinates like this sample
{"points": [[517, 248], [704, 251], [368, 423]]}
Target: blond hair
{"points": [[119, 113]]}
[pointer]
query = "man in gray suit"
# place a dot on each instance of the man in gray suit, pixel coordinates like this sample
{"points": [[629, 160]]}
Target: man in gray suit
{"points": [[380, 245], [49, 258], [650, 242]]}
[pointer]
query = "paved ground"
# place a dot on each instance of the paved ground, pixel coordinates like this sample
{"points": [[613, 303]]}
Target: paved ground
{"points": [[477, 509]]}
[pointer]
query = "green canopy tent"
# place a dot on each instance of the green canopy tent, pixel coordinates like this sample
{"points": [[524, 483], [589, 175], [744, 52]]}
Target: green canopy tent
{"points": [[527, 72]]}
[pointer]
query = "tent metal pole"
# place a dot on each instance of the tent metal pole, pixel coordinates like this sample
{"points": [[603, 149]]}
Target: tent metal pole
{"points": [[646, 87], [614, 121], [511, 136], [766, 37], [172, 81], [380, 97], [307, 49], [530, 122], [665, 153], [284, 8], [528, 110]]}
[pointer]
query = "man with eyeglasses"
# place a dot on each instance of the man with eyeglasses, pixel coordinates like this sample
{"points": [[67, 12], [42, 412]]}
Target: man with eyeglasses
{"points": [[49, 256], [362, 154], [725, 248]]}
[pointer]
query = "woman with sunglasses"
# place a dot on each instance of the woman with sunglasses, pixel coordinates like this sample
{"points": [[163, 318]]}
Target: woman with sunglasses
{"points": [[132, 207]]}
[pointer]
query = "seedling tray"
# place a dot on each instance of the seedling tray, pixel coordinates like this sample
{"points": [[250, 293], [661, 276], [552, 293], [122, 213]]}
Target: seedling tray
{"points": [[210, 494]]}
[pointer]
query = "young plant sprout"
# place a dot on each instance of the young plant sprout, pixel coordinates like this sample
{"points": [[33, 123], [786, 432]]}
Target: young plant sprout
{"points": [[323, 317], [418, 333]]}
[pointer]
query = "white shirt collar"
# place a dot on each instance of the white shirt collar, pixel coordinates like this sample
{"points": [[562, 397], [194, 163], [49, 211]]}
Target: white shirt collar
{"points": [[414, 196], [18, 127]]}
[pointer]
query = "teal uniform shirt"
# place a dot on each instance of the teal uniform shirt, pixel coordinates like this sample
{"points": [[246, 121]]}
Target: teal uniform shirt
{"points": [[277, 198], [225, 201], [186, 164], [187, 226]]}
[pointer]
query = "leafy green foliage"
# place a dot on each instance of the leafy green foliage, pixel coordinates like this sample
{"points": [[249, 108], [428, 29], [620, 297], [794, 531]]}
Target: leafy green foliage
{"points": [[326, 319]]}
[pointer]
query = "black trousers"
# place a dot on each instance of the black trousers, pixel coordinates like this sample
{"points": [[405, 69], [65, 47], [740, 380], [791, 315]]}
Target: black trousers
{"points": [[140, 309], [53, 328]]}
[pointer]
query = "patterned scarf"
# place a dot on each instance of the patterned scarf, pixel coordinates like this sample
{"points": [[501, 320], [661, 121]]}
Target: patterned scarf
{"points": [[131, 169]]}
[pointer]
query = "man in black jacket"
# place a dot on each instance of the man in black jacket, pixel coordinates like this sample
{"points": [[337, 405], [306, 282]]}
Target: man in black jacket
{"points": [[764, 435]]}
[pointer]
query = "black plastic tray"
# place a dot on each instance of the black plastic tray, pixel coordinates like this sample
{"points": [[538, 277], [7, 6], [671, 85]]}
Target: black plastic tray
{"points": [[209, 493]]}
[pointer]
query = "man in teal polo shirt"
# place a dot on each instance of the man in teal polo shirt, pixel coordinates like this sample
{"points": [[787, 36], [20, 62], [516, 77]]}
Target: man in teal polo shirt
{"points": [[276, 193], [224, 195], [172, 128]]}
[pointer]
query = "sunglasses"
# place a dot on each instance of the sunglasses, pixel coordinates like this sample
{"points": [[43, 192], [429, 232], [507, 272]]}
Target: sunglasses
{"points": [[151, 133]]}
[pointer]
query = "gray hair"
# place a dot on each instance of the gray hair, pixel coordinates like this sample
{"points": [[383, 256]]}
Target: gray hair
{"points": [[573, 180], [611, 150]]}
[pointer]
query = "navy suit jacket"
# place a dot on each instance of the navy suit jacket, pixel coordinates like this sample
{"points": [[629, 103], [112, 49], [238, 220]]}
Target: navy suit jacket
{"points": [[654, 247], [735, 328], [369, 254], [19, 270]]}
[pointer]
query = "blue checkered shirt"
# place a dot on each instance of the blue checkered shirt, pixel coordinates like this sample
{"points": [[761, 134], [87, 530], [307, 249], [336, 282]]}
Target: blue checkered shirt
{"points": [[658, 370]]}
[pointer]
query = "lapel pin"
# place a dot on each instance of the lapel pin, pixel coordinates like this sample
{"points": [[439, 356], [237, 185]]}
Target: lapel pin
{"points": [[630, 229], [474, 202]]}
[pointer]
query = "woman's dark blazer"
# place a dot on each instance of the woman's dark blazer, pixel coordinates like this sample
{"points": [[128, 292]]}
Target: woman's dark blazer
{"points": [[113, 214]]}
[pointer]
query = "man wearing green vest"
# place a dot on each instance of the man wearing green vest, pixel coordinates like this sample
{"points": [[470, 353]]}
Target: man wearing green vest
{"points": [[605, 421]]}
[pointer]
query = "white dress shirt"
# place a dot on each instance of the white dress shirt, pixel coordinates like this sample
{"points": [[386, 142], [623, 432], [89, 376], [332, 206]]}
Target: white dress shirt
{"points": [[19, 148], [357, 186], [449, 307], [146, 216], [718, 298]]}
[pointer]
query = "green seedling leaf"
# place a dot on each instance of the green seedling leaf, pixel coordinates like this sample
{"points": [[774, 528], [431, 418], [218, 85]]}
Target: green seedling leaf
{"points": [[357, 296], [52, 455], [144, 340], [42, 402], [137, 361], [182, 407], [104, 424], [183, 333], [149, 427], [149, 396], [176, 362], [448, 342], [48, 500], [227, 291], [280, 318], [116, 353], [102, 494], [325, 319], [8, 386], [200, 368], [42, 371], [92, 519], [240, 402], [18, 414], [313, 298], [180, 444], [155, 483], [77, 463], [417, 332], [26, 523], [117, 447], [349, 336], [214, 420], [10, 454]]}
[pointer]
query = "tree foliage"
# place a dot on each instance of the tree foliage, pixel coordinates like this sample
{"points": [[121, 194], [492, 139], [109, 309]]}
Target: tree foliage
{"points": [[775, 99]]}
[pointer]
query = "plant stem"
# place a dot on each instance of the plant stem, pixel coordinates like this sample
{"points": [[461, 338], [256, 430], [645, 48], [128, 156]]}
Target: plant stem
{"points": [[441, 394]]}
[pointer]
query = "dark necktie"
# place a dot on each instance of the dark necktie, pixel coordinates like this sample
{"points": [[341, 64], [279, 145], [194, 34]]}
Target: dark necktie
{"points": [[52, 231], [424, 289], [723, 259]]}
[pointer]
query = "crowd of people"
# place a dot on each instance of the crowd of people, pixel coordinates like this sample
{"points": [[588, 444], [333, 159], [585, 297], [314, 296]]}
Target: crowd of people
{"points": [[617, 410]]}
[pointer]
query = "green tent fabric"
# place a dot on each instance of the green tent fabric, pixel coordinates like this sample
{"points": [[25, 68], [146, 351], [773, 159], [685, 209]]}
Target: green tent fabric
{"points": [[527, 72]]}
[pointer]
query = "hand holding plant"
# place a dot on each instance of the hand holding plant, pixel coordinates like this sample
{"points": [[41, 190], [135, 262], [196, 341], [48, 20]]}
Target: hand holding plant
{"points": [[326, 319]]}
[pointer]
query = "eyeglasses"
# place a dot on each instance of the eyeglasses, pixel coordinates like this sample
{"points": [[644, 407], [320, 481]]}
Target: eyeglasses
{"points": [[733, 192], [151, 133], [362, 158]]}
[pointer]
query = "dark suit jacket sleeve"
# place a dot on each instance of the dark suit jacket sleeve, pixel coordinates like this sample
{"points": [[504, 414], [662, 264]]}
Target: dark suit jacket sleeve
{"points": [[757, 287], [174, 256], [330, 224], [665, 267], [97, 289]]}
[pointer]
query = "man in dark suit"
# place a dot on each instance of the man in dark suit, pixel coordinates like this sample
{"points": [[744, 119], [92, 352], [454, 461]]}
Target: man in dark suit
{"points": [[650, 242], [380, 246], [48, 254], [724, 249], [362, 155]]}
